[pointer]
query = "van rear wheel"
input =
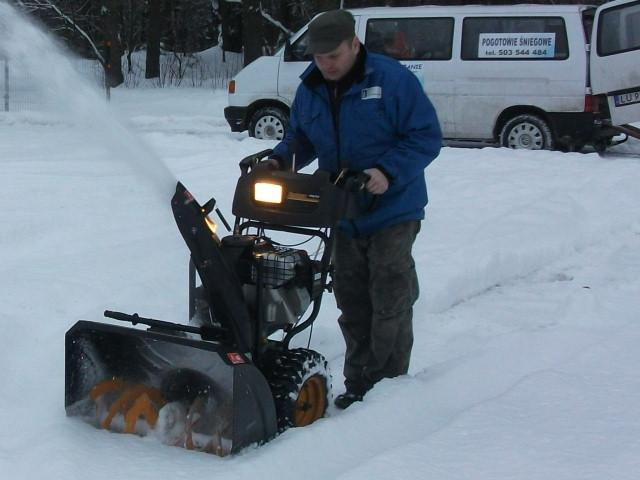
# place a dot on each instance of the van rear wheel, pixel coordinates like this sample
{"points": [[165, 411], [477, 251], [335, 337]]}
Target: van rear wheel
{"points": [[527, 131], [268, 123]]}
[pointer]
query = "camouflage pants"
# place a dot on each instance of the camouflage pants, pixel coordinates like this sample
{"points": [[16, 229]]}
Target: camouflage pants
{"points": [[375, 288]]}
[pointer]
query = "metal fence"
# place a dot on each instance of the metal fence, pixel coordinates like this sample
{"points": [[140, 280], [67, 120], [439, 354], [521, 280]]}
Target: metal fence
{"points": [[212, 68], [21, 91], [4, 63]]}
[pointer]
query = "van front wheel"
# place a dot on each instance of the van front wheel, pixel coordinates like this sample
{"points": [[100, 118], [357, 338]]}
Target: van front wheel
{"points": [[527, 131], [268, 123]]}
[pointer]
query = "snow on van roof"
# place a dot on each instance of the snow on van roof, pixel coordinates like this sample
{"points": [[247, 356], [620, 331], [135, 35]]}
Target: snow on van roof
{"points": [[473, 9]]}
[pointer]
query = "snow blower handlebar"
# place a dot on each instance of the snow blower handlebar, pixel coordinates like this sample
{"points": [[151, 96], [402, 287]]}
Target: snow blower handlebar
{"points": [[353, 181], [251, 161], [206, 333]]}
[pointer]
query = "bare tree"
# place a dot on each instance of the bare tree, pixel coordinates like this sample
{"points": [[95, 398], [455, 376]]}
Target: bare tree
{"points": [[90, 22], [152, 68], [252, 30], [113, 66], [69, 18], [231, 25], [132, 22]]}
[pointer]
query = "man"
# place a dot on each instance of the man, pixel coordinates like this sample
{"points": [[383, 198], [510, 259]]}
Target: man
{"points": [[367, 113]]}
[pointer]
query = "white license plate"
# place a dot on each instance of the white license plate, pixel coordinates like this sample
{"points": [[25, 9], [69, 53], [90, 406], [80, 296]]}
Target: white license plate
{"points": [[627, 98]]}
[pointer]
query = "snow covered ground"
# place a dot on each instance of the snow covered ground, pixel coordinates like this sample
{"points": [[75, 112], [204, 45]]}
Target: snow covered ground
{"points": [[526, 331]]}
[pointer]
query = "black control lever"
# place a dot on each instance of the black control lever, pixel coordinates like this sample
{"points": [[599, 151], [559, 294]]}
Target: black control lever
{"points": [[251, 161]]}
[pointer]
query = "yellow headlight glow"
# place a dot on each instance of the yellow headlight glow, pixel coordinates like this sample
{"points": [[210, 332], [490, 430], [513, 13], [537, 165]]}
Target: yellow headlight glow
{"points": [[213, 227], [267, 192]]}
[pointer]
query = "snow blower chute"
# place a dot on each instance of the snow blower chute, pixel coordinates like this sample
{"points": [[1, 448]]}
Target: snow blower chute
{"points": [[223, 381]]}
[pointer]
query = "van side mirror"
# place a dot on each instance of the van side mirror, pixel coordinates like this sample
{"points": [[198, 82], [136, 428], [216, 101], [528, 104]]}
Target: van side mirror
{"points": [[288, 53]]}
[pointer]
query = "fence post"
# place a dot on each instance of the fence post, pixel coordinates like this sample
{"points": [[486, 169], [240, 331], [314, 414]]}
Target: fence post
{"points": [[106, 67], [107, 88], [6, 84]]}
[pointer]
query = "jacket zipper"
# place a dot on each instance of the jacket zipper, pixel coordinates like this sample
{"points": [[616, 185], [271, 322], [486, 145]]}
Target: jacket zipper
{"points": [[335, 110]]}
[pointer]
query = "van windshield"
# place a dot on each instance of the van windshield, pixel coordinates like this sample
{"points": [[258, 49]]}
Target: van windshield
{"points": [[297, 49]]}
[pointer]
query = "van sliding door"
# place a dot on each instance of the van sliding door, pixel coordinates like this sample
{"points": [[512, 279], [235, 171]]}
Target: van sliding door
{"points": [[615, 59]]}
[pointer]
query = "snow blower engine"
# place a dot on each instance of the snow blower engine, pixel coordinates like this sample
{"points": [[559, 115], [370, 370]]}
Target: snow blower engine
{"points": [[229, 378]]}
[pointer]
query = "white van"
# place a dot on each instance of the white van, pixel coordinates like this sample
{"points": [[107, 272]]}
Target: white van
{"points": [[524, 76]]}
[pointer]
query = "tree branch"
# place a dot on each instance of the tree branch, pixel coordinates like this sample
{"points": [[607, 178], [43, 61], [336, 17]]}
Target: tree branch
{"points": [[274, 22], [48, 5]]}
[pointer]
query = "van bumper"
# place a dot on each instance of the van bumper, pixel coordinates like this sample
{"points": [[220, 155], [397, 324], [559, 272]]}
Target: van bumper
{"points": [[236, 118]]}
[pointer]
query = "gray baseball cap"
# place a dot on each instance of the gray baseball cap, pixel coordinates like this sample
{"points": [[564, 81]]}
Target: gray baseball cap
{"points": [[328, 30]]}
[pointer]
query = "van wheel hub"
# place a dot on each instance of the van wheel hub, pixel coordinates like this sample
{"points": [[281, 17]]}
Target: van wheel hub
{"points": [[268, 123], [527, 131], [268, 127], [526, 135]]}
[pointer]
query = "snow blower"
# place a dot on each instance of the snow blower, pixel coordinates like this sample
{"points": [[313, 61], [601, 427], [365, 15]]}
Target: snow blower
{"points": [[228, 378]]}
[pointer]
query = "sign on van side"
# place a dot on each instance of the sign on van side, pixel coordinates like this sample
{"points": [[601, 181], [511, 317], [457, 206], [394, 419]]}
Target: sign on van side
{"points": [[516, 45]]}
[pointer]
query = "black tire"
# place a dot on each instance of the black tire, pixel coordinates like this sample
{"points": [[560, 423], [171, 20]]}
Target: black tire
{"points": [[301, 386], [268, 123], [527, 131]]}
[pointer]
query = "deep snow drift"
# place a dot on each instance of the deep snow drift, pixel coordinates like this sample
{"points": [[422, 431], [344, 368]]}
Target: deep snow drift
{"points": [[526, 332]]}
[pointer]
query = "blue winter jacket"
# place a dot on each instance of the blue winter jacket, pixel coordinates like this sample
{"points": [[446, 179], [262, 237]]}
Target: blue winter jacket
{"points": [[385, 120]]}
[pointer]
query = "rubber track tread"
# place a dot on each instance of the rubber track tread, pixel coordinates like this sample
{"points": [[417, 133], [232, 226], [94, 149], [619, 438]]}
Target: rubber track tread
{"points": [[286, 375]]}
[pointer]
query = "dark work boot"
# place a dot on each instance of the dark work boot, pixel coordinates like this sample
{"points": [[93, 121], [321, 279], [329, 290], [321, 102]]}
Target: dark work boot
{"points": [[345, 399]]}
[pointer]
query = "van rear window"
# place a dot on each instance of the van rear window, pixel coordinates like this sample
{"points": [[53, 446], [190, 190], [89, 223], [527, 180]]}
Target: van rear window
{"points": [[619, 29], [411, 38], [514, 38]]}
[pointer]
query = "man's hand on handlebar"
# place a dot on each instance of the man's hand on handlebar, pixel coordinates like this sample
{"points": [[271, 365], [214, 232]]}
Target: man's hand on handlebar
{"points": [[256, 161], [271, 164], [378, 182]]}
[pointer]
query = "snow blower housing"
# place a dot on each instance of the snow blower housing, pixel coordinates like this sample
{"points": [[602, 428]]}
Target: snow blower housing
{"points": [[223, 382]]}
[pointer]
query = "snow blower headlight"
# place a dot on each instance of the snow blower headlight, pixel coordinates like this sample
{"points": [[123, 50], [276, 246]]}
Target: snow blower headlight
{"points": [[267, 192]]}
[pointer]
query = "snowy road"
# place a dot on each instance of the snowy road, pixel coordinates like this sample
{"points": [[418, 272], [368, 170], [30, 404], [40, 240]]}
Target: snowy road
{"points": [[526, 330]]}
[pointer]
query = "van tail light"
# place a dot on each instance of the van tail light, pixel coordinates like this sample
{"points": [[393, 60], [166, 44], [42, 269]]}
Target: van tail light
{"points": [[590, 104], [232, 86]]}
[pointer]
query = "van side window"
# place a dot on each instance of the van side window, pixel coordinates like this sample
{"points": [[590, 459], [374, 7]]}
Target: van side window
{"points": [[411, 38], [618, 31], [297, 49], [514, 38]]}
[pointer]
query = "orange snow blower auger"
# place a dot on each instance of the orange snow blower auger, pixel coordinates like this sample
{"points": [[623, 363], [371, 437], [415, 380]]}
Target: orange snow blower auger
{"points": [[133, 401], [223, 381]]}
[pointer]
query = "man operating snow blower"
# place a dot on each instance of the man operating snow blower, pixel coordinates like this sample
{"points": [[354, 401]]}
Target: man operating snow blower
{"points": [[363, 112], [230, 378]]}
